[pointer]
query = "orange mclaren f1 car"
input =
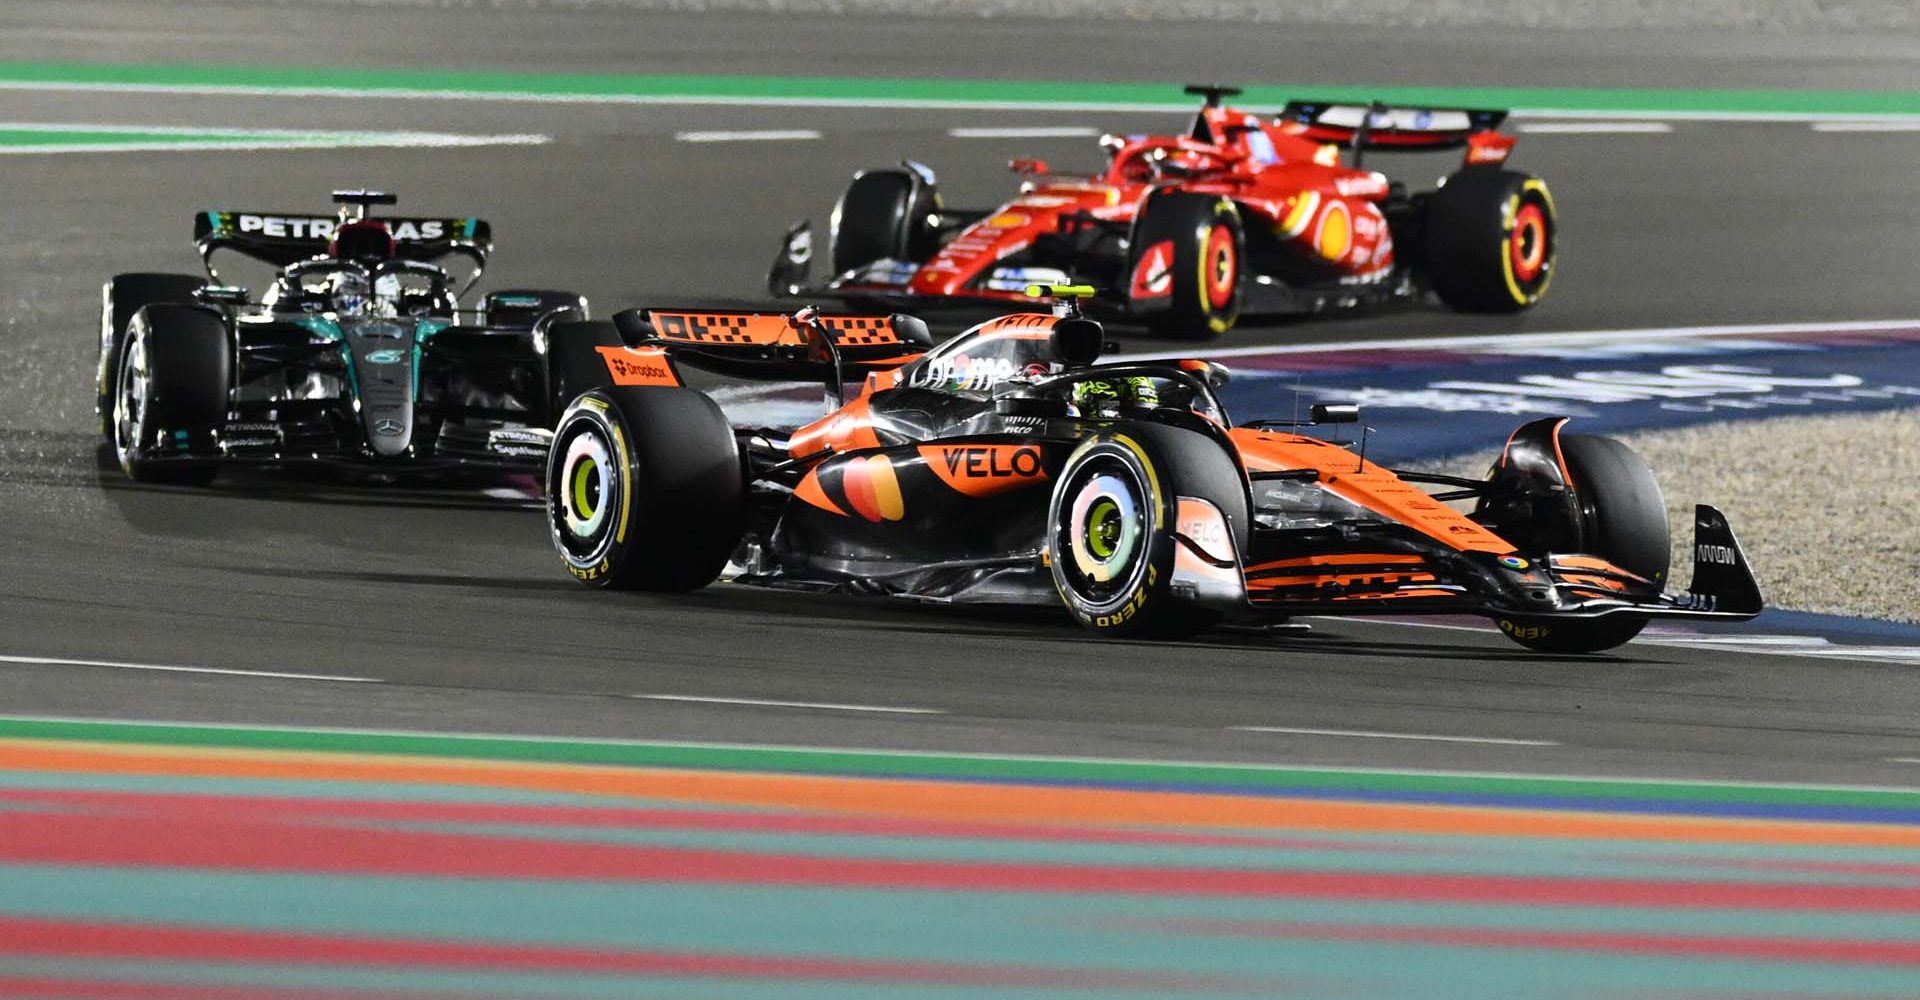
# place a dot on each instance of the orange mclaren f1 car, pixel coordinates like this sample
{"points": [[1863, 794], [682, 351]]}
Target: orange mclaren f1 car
{"points": [[1007, 465]]}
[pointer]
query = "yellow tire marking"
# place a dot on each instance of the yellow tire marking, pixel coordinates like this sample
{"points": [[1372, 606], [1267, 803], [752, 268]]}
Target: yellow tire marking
{"points": [[626, 491], [1506, 243]]}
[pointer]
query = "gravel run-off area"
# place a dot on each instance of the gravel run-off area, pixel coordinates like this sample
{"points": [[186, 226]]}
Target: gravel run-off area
{"points": [[1827, 508]]}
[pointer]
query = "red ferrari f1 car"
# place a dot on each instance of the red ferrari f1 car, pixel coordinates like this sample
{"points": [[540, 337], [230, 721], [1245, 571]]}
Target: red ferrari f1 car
{"points": [[1186, 232], [1005, 465]]}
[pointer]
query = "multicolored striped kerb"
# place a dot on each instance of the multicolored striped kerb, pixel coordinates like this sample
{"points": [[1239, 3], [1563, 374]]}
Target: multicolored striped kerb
{"points": [[150, 861]]}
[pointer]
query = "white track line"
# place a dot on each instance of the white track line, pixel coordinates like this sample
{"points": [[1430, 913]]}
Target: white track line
{"points": [[1893, 654], [1904, 126], [204, 138], [1715, 639], [1817, 647], [766, 703], [117, 128], [877, 103], [1594, 128], [751, 135], [50, 661], [1524, 341], [1371, 735], [237, 147], [1026, 132]]}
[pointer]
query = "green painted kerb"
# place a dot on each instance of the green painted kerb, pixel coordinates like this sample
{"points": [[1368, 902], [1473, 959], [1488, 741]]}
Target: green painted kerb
{"points": [[1018, 92], [84, 137], [859, 763]]}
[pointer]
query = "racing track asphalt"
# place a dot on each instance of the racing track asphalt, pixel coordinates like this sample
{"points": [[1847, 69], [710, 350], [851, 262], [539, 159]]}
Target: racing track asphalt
{"points": [[455, 605]]}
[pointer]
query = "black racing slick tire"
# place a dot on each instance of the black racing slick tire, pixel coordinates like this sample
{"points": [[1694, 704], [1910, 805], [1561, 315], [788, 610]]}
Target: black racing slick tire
{"points": [[1112, 523], [883, 213], [1491, 240], [644, 489], [121, 297], [1623, 519], [170, 393], [1198, 239]]}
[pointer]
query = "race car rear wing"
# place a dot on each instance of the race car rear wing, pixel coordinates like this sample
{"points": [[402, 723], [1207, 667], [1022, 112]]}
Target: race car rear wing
{"points": [[803, 345], [1407, 129], [280, 238], [723, 329]]}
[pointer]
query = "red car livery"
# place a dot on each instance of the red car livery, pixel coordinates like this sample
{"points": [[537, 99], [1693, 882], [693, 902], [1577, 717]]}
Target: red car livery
{"points": [[1186, 232]]}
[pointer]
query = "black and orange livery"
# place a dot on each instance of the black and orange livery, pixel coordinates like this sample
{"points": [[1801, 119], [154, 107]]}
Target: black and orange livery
{"points": [[1006, 465]]}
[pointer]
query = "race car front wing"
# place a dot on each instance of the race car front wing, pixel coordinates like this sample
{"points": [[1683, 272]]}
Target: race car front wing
{"points": [[1404, 577]]}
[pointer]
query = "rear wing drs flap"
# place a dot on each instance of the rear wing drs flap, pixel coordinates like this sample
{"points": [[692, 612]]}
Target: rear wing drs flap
{"points": [[1410, 129], [714, 329], [280, 238], [804, 345]]}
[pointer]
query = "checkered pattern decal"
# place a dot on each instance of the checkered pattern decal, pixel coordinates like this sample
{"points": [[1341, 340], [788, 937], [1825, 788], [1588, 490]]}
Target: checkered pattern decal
{"points": [[768, 328]]}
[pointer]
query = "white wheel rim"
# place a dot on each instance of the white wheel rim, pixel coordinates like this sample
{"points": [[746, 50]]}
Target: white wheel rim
{"points": [[583, 486], [1105, 528], [130, 404]]}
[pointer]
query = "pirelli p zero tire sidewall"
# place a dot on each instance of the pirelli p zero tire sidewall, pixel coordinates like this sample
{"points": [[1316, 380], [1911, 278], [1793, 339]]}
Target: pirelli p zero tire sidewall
{"points": [[172, 385], [589, 489], [121, 297], [1110, 536], [1492, 240], [644, 489], [1208, 269]]}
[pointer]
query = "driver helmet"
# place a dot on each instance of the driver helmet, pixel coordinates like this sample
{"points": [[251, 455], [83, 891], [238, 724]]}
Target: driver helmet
{"points": [[349, 293], [363, 240], [1105, 395]]}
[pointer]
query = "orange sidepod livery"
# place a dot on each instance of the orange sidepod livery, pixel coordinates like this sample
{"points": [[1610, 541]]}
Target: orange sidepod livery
{"points": [[809, 490], [869, 484], [872, 488], [981, 470], [848, 428]]}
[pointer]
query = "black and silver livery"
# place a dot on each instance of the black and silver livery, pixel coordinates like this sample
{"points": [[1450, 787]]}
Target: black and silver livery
{"points": [[358, 352]]}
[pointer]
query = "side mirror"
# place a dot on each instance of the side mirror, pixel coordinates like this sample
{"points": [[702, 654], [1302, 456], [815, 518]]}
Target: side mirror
{"points": [[1078, 341], [1335, 413], [226, 295], [911, 329]]}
